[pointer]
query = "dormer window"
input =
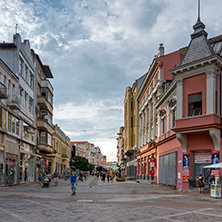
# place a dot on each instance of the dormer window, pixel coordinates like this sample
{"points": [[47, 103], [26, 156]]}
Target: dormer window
{"points": [[195, 104]]}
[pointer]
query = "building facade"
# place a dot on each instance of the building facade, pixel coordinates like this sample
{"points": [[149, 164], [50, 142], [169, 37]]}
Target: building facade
{"points": [[20, 140], [59, 159], [180, 113], [121, 158], [44, 113], [131, 127]]}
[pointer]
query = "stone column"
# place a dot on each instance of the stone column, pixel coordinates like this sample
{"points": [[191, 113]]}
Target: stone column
{"points": [[179, 99], [211, 93]]}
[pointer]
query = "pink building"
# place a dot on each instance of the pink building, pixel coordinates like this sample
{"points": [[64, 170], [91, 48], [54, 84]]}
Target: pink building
{"points": [[180, 113]]}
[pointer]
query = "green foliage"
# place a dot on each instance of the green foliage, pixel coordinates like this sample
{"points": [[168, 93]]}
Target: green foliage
{"points": [[80, 163], [91, 167], [99, 168]]}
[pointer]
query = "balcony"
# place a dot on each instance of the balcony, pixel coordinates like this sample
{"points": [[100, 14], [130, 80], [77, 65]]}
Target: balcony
{"points": [[43, 124], [65, 157], [45, 148], [13, 102], [3, 91], [44, 104], [47, 84]]}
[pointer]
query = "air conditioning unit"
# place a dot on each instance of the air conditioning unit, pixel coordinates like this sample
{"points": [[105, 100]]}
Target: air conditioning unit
{"points": [[43, 112]]}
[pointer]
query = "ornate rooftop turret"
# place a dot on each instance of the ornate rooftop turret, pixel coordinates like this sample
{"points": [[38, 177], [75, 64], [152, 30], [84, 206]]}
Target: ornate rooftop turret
{"points": [[199, 46]]}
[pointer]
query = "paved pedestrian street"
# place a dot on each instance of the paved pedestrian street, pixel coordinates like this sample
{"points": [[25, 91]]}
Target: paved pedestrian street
{"points": [[103, 201]]}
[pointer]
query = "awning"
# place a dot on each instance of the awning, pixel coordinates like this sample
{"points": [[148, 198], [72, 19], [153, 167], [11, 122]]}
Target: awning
{"points": [[218, 165]]}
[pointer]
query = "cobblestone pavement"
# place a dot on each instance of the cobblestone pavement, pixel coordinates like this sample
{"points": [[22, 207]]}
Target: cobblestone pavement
{"points": [[103, 201]]}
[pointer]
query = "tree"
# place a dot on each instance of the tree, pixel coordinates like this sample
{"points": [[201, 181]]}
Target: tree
{"points": [[80, 163], [99, 168], [91, 167]]}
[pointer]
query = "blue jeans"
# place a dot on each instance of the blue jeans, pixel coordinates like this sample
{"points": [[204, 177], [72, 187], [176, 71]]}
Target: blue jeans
{"points": [[73, 186]]}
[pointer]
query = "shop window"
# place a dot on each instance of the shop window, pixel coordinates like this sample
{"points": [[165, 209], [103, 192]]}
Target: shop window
{"points": [[195, 104]]}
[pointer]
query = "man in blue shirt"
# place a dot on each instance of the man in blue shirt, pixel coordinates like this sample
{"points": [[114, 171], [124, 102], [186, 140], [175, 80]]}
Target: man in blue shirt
{"points": [[73, 180]]}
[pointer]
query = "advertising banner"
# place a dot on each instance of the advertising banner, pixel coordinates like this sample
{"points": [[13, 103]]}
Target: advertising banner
{"points": [[215, 157], [186, 161], [186, 176], [203, 157]]}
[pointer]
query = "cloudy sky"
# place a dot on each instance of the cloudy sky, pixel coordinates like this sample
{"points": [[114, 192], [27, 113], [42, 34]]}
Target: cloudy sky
{"points": [[96, 48]]}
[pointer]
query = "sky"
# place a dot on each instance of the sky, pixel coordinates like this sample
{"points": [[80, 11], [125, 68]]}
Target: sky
{"points": [[96, 48]]}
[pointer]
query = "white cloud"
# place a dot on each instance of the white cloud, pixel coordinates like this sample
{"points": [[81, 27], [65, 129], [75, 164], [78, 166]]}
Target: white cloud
{"points": [[97, 48]]}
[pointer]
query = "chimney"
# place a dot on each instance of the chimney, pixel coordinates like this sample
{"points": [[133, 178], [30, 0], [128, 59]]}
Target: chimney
{"points": [[161, 50]]}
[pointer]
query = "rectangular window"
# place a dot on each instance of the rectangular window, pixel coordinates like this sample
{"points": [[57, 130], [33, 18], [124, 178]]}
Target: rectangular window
{"points": [[30, 104], [39, 70], [131, 105], [43, 137], [49, 139], [9, 122], [132, 122], [173, 118], [26, 73], [163, 125], [195, 104], [21, 66], [31, 82], [26, 100]]}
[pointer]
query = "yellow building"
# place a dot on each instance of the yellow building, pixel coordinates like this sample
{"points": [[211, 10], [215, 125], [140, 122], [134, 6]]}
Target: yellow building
{"points": [[59, 159], [131, 129]]}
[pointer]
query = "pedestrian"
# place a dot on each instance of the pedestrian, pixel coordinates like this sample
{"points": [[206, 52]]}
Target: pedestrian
{"points": [[200, 183], [108, 176], [56, 178], [104, 176], [73, 180], [49, 176], [45, 183], [40, 177], [66, 175], [81, 176], [26, 174]]}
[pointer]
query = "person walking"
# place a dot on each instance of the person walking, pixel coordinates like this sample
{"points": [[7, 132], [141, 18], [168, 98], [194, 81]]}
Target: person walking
{"points": [[73, 180], [40, 177], [26, 174], [66, 175], [108, 176], [56, 178], [200, 183], [104, 176], [49, 176]]}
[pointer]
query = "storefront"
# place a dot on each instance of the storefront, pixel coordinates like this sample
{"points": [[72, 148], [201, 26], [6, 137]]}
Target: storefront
{"points": [[2, 165], [168, 169], [27, 163], [11, 169], [11, 161]]}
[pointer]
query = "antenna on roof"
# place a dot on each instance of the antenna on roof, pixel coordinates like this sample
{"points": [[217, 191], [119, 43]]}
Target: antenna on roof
{"points": [[198, 10], [16, 28]]}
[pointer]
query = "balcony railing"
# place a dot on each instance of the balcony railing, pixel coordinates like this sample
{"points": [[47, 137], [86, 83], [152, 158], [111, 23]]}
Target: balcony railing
{"points": [[3, 91], [13, 101]]}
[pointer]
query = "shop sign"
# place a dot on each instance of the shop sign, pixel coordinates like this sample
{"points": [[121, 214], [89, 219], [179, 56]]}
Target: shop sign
{"points": [[216, 173], [202, 157], [152, 162], [186, 176], [10, 162]]}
